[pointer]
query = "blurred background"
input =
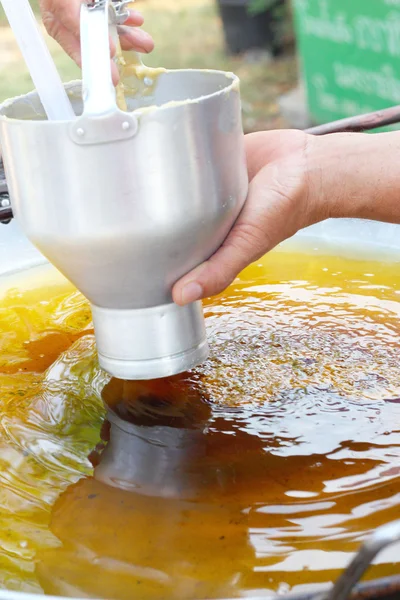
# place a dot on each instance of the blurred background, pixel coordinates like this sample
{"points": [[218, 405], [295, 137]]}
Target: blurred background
{"points": [[190, 33], [301, 62]]}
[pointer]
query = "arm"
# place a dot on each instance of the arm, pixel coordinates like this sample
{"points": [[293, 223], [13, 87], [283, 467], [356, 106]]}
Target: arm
{"points": [[297, 180], [361, 175]]}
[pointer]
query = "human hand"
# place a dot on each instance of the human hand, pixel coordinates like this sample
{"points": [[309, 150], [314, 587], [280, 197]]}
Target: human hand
{"points": [[297, 180], [277, 206], [62, 18]]}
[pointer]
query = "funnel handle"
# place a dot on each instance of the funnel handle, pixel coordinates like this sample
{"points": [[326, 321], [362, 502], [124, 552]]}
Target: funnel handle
{"points": [[98, 90]]}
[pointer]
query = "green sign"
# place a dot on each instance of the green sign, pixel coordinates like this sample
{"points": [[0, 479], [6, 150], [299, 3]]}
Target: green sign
{"points": [[350, 55]]}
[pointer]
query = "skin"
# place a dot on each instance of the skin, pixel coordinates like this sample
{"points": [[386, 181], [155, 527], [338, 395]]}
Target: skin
{"points": [[295, 179], [61, 19]]}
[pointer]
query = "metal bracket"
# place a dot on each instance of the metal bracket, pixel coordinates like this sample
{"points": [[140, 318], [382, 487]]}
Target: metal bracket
{"points": [[120, 13], [382, 538], [114, 127]]}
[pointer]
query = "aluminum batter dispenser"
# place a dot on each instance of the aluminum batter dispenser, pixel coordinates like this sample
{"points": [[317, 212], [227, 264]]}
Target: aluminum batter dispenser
{"points": [[124, 203]]}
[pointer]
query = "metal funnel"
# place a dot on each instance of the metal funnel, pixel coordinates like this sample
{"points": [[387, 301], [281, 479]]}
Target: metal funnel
{"points": [[125, 203]]}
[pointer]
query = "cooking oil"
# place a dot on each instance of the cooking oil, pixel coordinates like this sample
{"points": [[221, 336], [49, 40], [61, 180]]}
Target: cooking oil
{"points": [[261, 471]]}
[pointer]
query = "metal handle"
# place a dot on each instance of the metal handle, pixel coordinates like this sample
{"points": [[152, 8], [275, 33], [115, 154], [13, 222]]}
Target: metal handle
{"points": [[383, 538], [97, 86], [102, 122], [359, 123]]}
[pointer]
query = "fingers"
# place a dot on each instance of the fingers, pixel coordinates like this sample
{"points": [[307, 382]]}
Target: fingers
{"points": [[68, 41], [247, 241], [72, 47], [135, 19], [57, 14], [267, 219], [135, 39], [62, 21]]}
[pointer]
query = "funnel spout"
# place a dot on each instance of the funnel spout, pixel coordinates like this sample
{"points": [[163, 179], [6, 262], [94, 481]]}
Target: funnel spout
{"points": [[151, 342]]}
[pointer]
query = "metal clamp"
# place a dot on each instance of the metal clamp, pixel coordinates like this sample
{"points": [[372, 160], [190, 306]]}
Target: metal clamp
{"points": [[383, 538], [5, 204], [120, 9]]}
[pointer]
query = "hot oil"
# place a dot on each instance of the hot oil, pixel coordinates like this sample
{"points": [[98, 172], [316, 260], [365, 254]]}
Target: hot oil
{"points": [[262, 470]]}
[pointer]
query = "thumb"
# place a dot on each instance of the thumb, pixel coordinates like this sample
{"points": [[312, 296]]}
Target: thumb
{"points": [[217, 273], [260, 226]]}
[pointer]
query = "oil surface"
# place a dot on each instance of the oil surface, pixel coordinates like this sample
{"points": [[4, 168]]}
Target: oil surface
{"points": [[263, 470]]}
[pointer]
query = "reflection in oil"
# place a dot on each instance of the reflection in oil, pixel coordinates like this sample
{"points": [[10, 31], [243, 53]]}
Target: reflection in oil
{"points": [[262, 470]]}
